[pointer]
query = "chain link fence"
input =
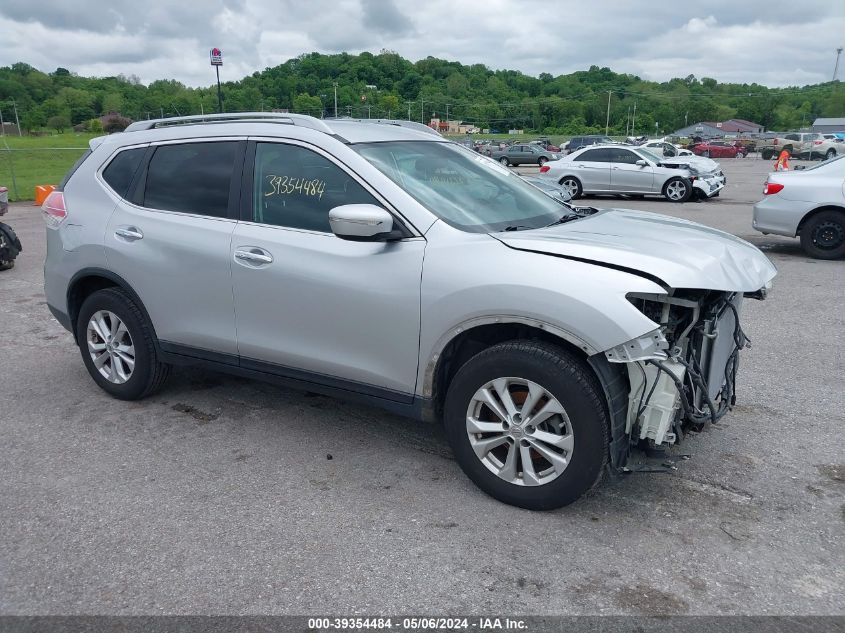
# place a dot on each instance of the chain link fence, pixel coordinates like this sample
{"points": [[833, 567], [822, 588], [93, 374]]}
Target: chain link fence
{"points": [[21, 170]]}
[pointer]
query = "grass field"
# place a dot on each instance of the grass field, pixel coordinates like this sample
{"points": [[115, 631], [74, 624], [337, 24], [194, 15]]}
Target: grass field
{"points": [[38, 160]]}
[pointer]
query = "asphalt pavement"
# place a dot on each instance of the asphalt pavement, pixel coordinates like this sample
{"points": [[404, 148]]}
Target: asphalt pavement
{"points": [[224, 496]]}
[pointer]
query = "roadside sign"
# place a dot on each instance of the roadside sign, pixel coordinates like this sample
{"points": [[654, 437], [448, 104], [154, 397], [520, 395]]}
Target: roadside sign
{"points": [[216, 57]]}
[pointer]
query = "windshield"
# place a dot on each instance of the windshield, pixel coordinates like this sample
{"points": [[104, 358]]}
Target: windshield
{"points": [[649, 154], [463, 188]]}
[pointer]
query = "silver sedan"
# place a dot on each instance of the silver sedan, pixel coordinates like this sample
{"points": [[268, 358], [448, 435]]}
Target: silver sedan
{"points": [[623, 169]]}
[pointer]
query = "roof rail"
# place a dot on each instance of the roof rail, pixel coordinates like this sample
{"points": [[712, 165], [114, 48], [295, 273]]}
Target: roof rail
{"points": [[286, 118], [411, 125]]}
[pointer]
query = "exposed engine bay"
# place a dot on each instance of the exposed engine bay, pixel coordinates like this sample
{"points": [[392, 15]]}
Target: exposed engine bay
{"points": [[682, 375]]}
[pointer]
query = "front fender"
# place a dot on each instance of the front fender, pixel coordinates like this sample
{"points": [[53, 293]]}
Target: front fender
{"points": [[582, 303]]}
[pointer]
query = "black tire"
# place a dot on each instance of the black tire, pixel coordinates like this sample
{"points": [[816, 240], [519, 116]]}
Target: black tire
{"points": [[149, 373], [542, 161], [571, 382], [504, 160], [823, 235], [767, 154], [573, 181], [671, 183], [831, 153]]}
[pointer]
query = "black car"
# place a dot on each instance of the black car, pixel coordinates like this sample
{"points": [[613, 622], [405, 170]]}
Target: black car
{"points": [[578, 142]]}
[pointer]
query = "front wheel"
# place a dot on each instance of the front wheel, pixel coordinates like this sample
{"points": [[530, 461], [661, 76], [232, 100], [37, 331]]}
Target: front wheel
{"points": [[526, 422], [118, 345], [504, 161], [677, 189], [823, 235]]}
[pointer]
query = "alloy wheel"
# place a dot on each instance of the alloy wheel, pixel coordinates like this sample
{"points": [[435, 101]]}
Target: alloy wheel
{"points": [[110, 346], [571, 186], [676, 190], [519, 431]]}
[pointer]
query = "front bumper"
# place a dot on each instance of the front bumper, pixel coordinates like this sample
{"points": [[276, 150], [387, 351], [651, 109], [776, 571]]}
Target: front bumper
{"points": [[708, 186]]}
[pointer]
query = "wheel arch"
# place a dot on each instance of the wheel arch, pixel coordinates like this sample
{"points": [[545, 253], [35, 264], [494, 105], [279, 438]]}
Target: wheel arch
{"points": [[88, 281], [469, 338], [809, 215]]}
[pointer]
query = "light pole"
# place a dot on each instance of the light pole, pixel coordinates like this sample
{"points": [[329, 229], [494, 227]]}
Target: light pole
{"points": [[422, 110], [17, 121], [447, 116], [409, 109], [836, 67], [634, 119], [607, 122], [335, 99]]}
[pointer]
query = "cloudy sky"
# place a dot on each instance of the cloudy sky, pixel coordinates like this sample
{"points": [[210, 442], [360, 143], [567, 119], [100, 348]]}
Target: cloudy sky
{"points": [[771, 42]]}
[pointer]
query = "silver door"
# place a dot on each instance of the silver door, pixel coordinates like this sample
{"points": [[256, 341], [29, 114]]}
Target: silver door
{"points": [[592, 168], [178, 263], [628, 177], [311, 302]]}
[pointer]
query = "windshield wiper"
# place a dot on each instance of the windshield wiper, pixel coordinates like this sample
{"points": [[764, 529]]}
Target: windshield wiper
{"points": [[565, 218], [517, 227]]}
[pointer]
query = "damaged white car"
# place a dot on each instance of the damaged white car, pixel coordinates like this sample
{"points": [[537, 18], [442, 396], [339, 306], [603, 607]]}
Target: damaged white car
{"points": [[627, 170]]}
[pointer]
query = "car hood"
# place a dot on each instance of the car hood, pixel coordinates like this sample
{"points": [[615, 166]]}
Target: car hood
{"points": [[698, 163], [679, 253]]}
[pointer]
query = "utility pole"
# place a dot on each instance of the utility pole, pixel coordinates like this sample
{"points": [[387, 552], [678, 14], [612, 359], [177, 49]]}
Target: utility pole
{"points": [[17, 121], [634, 119], [836, 68], [422, 110], [607, 121], [3, 129], [162, 111], [409, 109], [447, 115], [335, 99], [628, 122]]}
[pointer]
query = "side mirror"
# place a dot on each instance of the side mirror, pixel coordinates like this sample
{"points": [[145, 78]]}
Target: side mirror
{"points": [[642, 163], [363, 223]]}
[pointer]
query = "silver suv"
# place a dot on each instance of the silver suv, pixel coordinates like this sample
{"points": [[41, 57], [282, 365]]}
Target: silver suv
{"points": [[377, 261]]}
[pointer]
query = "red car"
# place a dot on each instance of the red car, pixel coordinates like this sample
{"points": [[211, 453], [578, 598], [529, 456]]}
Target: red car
{"points": [[719, 149]]}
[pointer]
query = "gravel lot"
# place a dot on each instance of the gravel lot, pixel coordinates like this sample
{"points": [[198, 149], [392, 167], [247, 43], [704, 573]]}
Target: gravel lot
{"points": [[221, 495]]}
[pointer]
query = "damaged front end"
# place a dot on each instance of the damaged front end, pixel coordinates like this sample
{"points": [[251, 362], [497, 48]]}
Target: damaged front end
{"points": [[705, 183], [682, 375]]}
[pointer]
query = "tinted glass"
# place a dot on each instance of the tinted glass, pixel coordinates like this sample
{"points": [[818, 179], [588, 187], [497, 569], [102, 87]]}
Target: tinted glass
{"points": [[466, 190], [595, 156], [297, 188], [191, 178], [122, 168], [623, 156]]}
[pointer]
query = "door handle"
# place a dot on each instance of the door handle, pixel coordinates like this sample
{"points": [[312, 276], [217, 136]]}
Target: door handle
{"points": [[253, 255], [129, 233]]}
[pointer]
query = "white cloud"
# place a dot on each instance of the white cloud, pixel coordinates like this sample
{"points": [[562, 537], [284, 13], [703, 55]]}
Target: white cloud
{"points": [[723, 39]]}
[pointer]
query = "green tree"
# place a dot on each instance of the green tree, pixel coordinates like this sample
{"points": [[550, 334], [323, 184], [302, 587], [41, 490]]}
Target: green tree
{"points": [[58, 123], [307, 104]]}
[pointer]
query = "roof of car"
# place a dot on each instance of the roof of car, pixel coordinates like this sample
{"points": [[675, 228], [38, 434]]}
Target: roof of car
{"points": [[267, 124]]}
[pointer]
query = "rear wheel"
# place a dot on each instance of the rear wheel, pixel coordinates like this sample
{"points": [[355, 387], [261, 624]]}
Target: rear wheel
{"points": [[504, 160], [542, 160], [573, 186], [118, 345], [677, 189], [831, 153], [767, 154], [527, 424], [823, 235]]}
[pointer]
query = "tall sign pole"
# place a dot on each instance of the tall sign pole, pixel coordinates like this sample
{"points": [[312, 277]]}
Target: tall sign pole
{"points": [[217, 61]]}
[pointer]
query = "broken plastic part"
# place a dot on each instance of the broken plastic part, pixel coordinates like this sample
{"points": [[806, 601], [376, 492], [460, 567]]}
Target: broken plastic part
{"points": [[649, 346]]}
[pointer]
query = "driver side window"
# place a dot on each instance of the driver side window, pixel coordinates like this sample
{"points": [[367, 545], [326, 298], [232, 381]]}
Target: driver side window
{"points": [[295, 187]]}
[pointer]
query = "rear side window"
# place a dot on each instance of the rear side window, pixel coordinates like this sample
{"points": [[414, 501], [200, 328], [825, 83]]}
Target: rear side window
{"points": [[121, 170], [191, 178], [595, 156]]}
